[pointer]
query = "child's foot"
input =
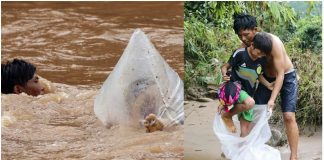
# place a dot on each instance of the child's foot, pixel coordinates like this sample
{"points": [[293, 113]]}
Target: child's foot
{"points": [[229, 123], [152, 123], [293, 157], [223, 155]]}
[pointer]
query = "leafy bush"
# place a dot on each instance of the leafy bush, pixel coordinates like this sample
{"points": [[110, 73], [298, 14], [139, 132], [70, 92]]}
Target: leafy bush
{"points": [[206, 49], [309, 105], [308, 35]]}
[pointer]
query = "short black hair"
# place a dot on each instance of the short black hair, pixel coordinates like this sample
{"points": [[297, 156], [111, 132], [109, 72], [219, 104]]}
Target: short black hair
{"points": [[243, 21], [16, 72], [263, 42]]}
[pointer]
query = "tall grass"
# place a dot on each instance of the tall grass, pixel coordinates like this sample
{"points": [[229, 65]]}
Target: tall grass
{"points": [[309, 104]]}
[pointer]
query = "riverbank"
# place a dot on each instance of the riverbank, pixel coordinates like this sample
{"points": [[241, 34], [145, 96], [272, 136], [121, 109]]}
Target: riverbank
{"points": [[201, 142]]}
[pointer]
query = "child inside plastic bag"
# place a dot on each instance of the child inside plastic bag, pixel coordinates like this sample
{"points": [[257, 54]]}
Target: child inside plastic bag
{"points": [[141, 88]]}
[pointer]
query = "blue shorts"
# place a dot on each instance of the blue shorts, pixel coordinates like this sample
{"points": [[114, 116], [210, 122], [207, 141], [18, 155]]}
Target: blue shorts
{"points": [[263, 94], [288, 92]]}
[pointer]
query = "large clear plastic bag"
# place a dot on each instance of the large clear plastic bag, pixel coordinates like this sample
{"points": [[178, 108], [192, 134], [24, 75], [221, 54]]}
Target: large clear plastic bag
{"points": [[141, 83], [251, 147]]}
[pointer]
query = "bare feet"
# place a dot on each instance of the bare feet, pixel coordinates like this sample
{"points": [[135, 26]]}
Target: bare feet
{"points": [[152, 123], [229, 123], [293, 157], [223, 155]]}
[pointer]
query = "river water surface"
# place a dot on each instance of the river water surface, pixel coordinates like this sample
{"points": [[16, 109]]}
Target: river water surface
{"points": [[82, 41], [75, 45]]}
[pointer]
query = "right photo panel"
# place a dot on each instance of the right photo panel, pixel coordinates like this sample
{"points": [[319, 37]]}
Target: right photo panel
{"points": [[253, 80]]}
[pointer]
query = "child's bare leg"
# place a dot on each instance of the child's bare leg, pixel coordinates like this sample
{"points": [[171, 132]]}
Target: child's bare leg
{"points": [[227, 117], [245, 124], [238, 108], [229, 123], [245, 127]]}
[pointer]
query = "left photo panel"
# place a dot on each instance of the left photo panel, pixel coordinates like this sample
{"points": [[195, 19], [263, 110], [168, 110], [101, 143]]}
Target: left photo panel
{"points": [[92, 80]]}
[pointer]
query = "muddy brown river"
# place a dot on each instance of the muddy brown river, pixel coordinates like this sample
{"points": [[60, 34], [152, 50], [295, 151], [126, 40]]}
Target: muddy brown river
{"points": [[79, 43], [75, 45]]}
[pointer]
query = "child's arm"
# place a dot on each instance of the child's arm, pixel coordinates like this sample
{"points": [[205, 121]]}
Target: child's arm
{"points": [[224, 70], [266, 83]]}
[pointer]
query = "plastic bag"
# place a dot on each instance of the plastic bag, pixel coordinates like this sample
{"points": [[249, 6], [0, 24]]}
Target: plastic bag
{"points": [[251, 147], [141, 83]]}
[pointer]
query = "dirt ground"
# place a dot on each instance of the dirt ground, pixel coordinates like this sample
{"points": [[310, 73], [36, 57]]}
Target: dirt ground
{"points": [[201, 142]]}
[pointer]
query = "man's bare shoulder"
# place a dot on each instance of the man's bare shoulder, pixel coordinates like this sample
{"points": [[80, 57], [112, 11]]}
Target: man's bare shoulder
{"points": [[277, 46], [275, 39]]}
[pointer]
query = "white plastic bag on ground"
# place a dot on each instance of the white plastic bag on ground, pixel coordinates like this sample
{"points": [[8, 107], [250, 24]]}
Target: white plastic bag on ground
{"points": [[251, 147], [141, 83]]}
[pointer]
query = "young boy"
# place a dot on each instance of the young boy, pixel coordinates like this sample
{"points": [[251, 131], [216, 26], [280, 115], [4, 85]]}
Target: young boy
{"points": [[247, 65], [20, 76]]}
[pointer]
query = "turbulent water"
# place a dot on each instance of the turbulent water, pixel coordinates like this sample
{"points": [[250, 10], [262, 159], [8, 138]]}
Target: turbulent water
{"points": [[82, 41], [62, 125], [76, 45]]}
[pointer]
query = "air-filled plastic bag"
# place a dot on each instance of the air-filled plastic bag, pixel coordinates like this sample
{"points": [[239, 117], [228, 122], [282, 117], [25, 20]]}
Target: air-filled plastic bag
{"points": [[141, 83], [251, 147]]}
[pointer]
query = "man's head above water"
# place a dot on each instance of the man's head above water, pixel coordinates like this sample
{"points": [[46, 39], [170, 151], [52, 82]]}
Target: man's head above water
{"points": [[245, 26], [19, 76]]}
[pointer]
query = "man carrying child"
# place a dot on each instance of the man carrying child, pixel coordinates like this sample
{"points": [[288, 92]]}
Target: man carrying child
{"points": [[247, 66], [279, 70]]}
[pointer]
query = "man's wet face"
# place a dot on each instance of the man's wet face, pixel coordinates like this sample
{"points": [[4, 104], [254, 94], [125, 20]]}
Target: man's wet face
{"points": [[246, 36], [33, 87]]}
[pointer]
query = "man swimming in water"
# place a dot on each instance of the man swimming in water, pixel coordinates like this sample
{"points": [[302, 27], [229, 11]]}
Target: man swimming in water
{"points": [[19, 76]]}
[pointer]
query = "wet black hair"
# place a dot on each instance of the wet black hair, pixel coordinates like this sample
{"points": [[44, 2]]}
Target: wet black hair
{"points": [[243, 21], [263, 42], [16, 72]]}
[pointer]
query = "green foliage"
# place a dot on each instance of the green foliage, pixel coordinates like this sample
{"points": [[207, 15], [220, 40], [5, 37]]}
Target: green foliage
{"points": [[307, 8], [271, 16], [212, 13], [201, 73], [308, 35], [309, 105], [203, 42], [206, 48]]}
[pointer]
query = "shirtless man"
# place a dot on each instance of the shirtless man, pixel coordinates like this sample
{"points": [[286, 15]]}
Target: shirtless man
{"points": [[279, 69]]}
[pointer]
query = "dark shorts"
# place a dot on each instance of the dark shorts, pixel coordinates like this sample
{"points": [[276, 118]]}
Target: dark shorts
{"points": [[263, 94], [288, 92]]}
